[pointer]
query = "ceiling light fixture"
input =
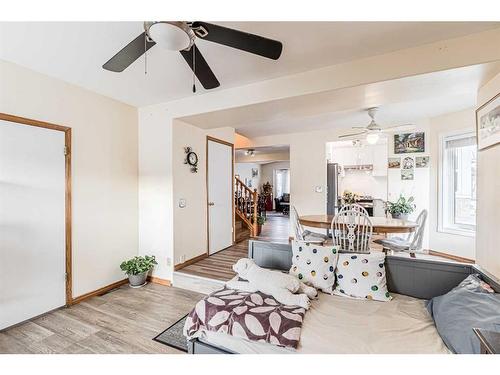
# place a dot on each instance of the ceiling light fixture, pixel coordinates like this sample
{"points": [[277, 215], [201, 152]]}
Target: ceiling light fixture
{"points": [[171, 35], [372, 138]]}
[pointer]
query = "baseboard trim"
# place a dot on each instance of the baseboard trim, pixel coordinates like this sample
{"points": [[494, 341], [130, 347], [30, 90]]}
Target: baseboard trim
{"points": [[98, 292], [188, 262], [157, 280], [451, 257]]}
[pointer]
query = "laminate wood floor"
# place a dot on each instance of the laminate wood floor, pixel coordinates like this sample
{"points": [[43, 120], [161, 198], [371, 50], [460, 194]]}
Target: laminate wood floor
{"points": [[219, 265], [124, 320], [276, 228]]}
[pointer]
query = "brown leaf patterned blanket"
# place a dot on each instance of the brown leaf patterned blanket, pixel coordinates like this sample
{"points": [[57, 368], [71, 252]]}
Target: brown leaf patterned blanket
{"points": [[253, 316]]}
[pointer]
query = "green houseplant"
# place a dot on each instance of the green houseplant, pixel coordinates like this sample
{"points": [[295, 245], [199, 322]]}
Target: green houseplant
{"points": [[402, 207], [260, 222], [137, 269]]}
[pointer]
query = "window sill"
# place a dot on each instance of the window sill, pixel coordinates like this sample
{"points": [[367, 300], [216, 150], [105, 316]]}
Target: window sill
{"points": [[457, 232]]}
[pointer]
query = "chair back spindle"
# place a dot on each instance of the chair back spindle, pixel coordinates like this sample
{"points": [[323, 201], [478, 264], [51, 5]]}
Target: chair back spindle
{"points": [[352, 229]]}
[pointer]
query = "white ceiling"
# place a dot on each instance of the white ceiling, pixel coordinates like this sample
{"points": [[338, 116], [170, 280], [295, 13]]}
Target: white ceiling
{"points": [[76, 51], [404, 100]]}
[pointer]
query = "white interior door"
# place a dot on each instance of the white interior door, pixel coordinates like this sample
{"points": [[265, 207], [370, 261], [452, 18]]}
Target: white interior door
{"points": [[32, 222], [220, 196]]}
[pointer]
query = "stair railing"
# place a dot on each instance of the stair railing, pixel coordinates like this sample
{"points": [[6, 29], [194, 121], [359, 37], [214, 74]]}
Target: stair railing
{"points": [[246, 205]]}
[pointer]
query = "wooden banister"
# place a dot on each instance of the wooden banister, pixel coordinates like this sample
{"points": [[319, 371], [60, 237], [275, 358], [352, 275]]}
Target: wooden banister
{"points": [[246, 205]]}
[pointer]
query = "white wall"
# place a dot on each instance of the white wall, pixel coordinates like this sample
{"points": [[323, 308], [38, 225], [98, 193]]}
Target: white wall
{"points": [[244, 170], [488, 197], [419, 188], [460, 245], [104, 168], [190, 222]]}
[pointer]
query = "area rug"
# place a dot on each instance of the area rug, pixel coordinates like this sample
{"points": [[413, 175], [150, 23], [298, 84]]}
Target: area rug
{"points": [[173, 336]]}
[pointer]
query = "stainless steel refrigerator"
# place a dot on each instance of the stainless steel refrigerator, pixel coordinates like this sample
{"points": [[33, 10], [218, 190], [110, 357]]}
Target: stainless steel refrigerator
{"points": [[332, 188]]}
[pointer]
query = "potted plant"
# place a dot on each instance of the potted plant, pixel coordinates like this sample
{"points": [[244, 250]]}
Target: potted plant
{"points": [[401, 208], [349, 197], [137, 269], [260, 222]]}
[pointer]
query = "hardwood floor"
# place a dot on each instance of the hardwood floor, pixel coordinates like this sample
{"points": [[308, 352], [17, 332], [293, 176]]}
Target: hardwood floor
{"points": [[124, 320], [276, 228], [218, 266]]}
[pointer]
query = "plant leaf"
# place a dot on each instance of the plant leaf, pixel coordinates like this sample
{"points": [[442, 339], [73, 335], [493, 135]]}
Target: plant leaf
{"points": [[216, 301], [254, 325], [257, 299], [240, 309], [291, 316], [271, 301], [219, 318], [239, 331], [275, 321], [292, 334], [262, 309], [200, 310]]}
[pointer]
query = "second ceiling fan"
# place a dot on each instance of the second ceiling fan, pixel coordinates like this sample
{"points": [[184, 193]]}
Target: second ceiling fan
{"points": [[374, 130], [181, 36]]}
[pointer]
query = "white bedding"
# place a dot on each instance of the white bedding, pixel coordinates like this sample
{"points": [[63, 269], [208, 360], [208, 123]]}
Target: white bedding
{"points": [[340, 325]]}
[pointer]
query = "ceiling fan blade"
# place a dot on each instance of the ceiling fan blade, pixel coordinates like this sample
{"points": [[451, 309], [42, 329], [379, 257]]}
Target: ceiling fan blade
{"points": [[128, 54], [201, 69], [397, 128], [351, 135], [238, 39]]}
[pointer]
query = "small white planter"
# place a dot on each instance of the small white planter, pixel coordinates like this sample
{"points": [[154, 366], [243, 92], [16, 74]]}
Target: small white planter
{"points": [[400, 216], [137, 281]]}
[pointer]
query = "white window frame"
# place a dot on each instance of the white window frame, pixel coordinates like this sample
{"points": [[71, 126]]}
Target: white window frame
{"points": [[441, 227]]}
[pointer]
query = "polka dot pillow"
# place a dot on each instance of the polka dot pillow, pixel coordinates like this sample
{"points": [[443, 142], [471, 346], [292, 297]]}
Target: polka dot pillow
{"points": [[314, 264], [362, 276]]}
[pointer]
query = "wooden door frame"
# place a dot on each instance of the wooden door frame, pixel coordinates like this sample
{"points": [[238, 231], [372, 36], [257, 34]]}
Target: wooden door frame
{"points": [[67, 200], [209, 138]]}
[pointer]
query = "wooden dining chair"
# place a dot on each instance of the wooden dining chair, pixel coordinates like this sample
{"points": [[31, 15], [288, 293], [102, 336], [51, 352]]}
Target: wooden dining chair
{"points": [[410, 244], [304, 235], [352, 229]]}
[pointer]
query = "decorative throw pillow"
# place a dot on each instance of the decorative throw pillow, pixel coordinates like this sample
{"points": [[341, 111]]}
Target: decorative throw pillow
{"points": [[471, 304], [362, 276], [314, 264]]}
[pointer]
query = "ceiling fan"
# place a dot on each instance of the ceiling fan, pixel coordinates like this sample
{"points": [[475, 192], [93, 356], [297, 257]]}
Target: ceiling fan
{"points": [[181, 36], [373, 130]]}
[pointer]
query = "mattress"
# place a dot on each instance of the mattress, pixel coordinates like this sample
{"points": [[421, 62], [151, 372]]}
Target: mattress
{"points": [[340, 325]]}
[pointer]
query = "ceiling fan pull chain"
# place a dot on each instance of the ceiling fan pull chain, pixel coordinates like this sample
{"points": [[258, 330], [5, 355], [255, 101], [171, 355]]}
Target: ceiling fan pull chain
{"points": [[145, 54], [194, 69]]}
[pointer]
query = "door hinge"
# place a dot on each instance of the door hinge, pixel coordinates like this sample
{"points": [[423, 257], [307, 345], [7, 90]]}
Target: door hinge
{"points": [[65, 150]]}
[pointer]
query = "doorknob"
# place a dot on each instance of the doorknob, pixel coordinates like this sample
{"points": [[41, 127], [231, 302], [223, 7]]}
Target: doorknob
{"points": [[211, 203]]}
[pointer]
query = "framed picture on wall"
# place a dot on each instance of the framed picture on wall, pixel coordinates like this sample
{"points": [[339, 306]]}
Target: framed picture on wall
{"points": [[255, 172], [394, 163], [488, 123], [409, 143]]}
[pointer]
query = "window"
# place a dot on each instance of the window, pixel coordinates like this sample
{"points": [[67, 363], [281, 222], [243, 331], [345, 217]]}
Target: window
{"points": [[282, 182], [458, 184]]}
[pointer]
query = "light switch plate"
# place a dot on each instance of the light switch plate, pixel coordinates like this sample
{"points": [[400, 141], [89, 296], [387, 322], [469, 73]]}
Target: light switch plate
{"points": [[182, 203], [318, 189]]}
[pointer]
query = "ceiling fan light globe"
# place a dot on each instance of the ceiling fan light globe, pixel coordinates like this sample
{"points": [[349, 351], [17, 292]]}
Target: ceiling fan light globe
{"points": [[372, 138], [169, 36]]}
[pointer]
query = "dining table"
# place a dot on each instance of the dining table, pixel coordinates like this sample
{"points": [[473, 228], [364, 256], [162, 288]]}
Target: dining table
{"points": [[381, 225]]}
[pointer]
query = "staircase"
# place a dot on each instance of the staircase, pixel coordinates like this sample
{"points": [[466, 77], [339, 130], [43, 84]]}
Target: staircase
{"points": [[247, 209]]}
